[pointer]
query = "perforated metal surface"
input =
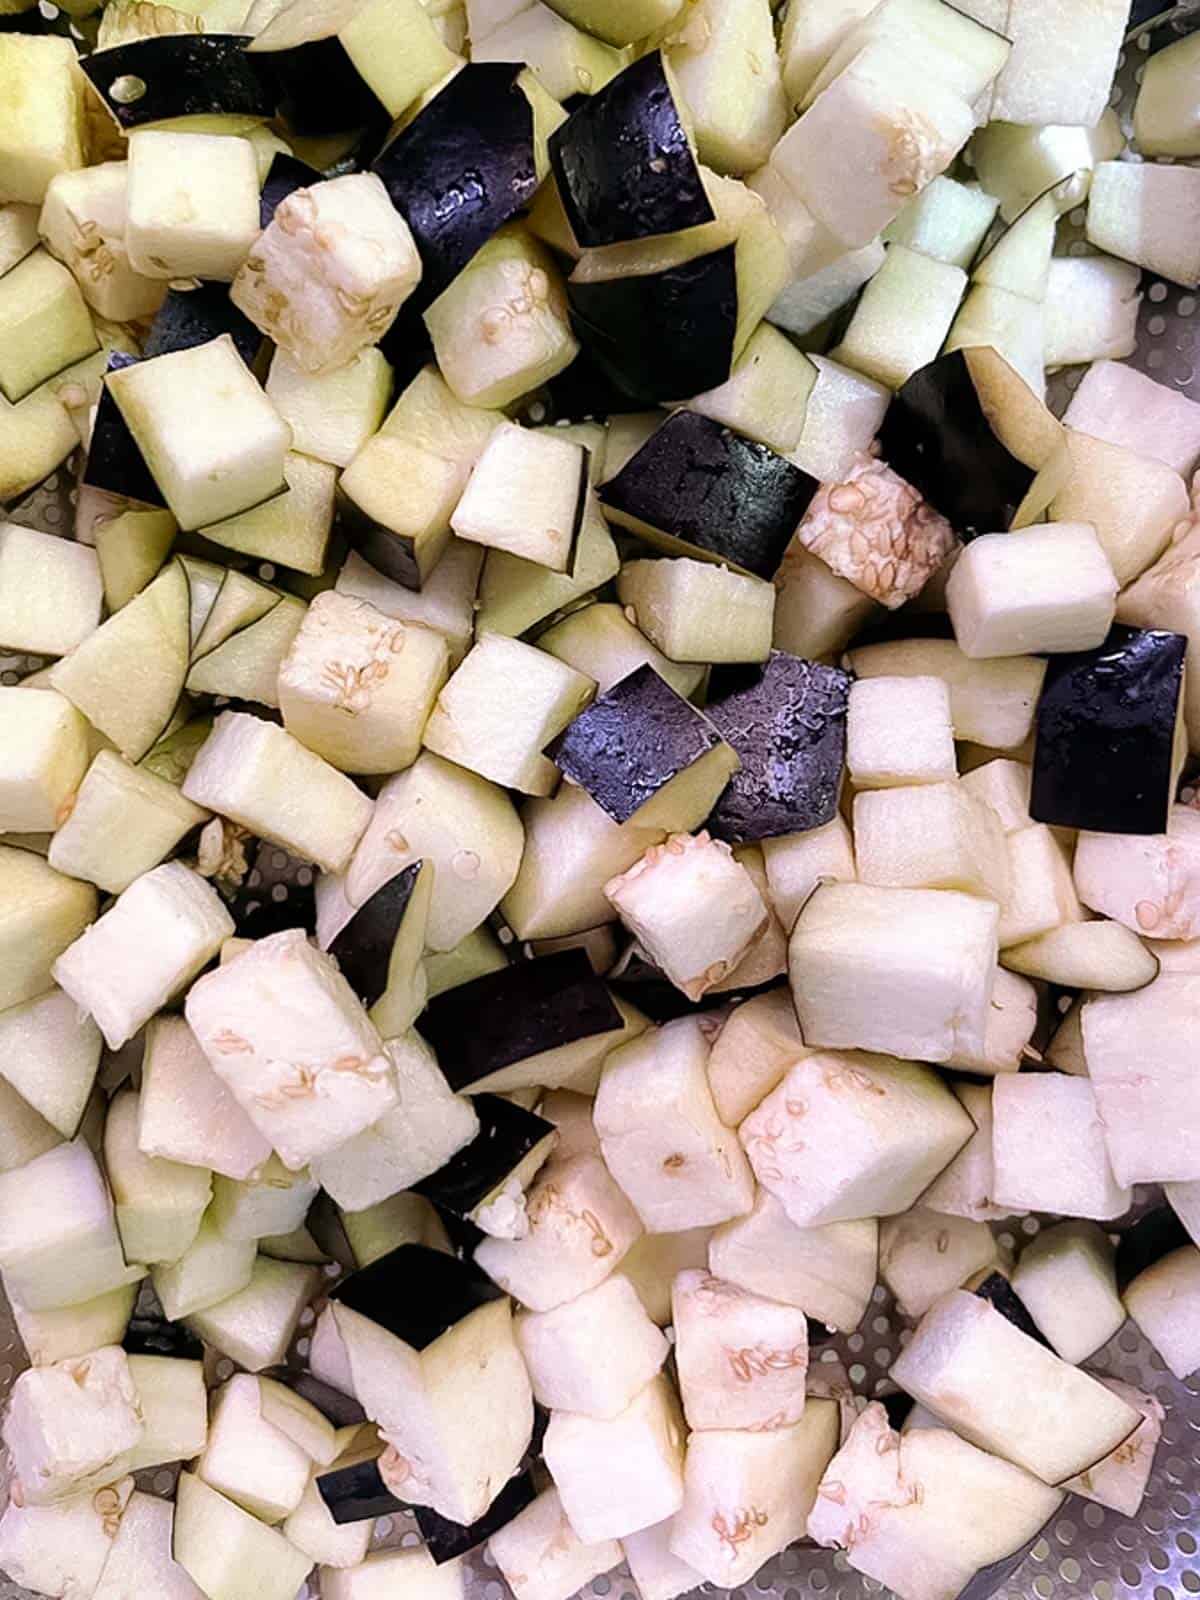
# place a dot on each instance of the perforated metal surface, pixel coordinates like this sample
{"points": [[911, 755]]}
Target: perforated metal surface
{"points": [[1087, 1552]]}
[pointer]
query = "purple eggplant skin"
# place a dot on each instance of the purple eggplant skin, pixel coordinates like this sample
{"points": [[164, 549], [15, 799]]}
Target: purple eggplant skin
{"points": [[363, 948], [445, 1540], [462, 168], [287, 174], [188, 317], [318, 89], [722, 497], [936, 436], [184, 75], [357, 1493], [1151, 1237], [507, 1133], [582, 392], [1106, 733], [416, 1293], [393, 554], [623, 164], [1002, 1297], [114, 459], [693, 309], [518, 1012], [787, 722], [631, 741]]}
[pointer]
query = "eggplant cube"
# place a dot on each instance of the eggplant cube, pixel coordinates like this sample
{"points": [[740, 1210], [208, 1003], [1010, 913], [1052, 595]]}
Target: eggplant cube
{"points": [[1145, 882], [647, 1438], [1109, 734], [1061, 67], [502, 707], [658, 1572], [930, 836], [45, 325], [1004, 786], [893, 1124], [45, 753], [797, 862], [741, 1359], [174, 1406], [386, 1574], [924, 1254], [747, 1494], [1067, 1279], [151, 943], [210, 1270], [594, 1354], [42, 130], [875, 530], [541, 1557], [192, 204], [661, 1136], [256, 1325], [1041, 893], [964, 1189], [62, 1549], [581, 1226], [1049, 1147], [1120, 1480], [1047, 588], [329, 273], [899, 732], [253, 772], [140, 1561], [213, 441], [526, 495], [49, 1054], [694, 611], [186, 1113], [922, 1511], [1147, 214], [69, 1426], [311, 1528], [755, 1047], [227, 1552], [907, 972], [83, 222], [828, 1272], [50, 591], [284, 1030], [41, 912], [248, 1459], [50, 1336], [159, 1203], [273, 1201], [1164, 1301], [646, 755], [695, 909], [357, 688], [331, 416], [59, 1244], [1125, 407]]}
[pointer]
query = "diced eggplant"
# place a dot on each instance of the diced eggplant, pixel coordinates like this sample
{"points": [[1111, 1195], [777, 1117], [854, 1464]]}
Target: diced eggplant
{"points": [[439, 1292], [466, 164], [255, 1327], [924, 1254], [1120, 1480], [698, 612], [45, 325], [787, 723], [114, 460], [646, 755], [996, 1288], [937, 436], [227, 1551], [69, 1427], [446, 1540], [698, 489], [1164, 1301], [485, 1181], [354, 1490], [1049, 1147], [506, 1017], [741, 1358], [1067, 1278], [248, 1459], [285, 175], [171, 76], [363, 947], [62, 1549], [189, 317], [623, 163], [1108, 734]]}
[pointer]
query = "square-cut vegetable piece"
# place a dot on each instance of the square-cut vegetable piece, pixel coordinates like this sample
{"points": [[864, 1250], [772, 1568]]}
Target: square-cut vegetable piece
{"points": [[593, 1354], [83, 222], [42, 119], [329, 273], [256, 1326], [247, 1458], [875, 530], [357, 687], [291, 529], [657, 1571], [581, 1226], [41, 912], [541, 1557], [964, 1189], [1120, 1480], [1067, 1279], [903, 316], [284, 1030], [211, 1269], [924, 1254], [159, 1203], [186, 1112], [930, 836], [1047, 588], [1163, 1301], [660, 1134], [991, 702], [1147, 213], [160, 933], [45, 324], [43, 757], [331, 416], [502, 707], [58, 1236], [907, 972], [694, 907], [1123, 406], [213, 441], [227, 1552], [258, 775], [1003, 785], [62, 1549], [695, 611], [526, 495], [49, 1052], [899, 732], [1049, 1149], [1041, 893], [68, 1426], [174, 1405], [1062, 63], [192, 204], [141, 1557], [741, 1359], [828, 1272], [889, 1126], [50, 591], [1150, 882]]}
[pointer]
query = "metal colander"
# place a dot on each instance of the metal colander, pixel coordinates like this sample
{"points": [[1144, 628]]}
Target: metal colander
{"points": [[1087, 1552]]}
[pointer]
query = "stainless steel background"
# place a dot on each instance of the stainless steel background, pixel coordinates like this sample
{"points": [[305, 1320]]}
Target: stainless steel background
{"points": [[1088, 1553]]}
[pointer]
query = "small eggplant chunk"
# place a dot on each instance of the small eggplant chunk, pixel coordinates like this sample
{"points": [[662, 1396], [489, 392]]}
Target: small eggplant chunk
{"points": [[937, 436], [623, 163], [485, 1181], [642, 750], [168, 76], [190, 317], [1108, 744], [999, 1293], [114, 460], [463, 167], [354, 1490], [445, 1540], [695, 488], [787, 722], [416, 1293], [363, 948], [286, 175], [518, 1012]]}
